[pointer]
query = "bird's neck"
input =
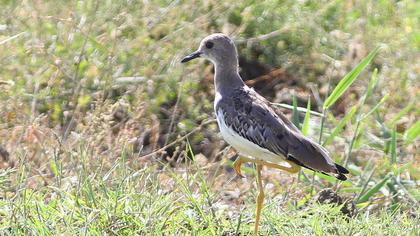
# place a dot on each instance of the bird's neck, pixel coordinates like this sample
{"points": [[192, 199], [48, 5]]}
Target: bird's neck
{"points": [[227, 77]]}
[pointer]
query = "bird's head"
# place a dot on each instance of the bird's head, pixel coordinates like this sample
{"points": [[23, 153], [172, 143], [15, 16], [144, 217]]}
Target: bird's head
{"points": [[218, 48]]}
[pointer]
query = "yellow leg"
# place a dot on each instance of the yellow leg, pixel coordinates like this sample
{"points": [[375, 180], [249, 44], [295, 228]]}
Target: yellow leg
{"points": [[293, 168], [237, 165], [260, 199]]}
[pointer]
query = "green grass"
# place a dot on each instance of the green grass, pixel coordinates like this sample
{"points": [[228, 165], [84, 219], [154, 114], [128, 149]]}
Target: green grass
{"points": [[77, 140], [156, 201]]}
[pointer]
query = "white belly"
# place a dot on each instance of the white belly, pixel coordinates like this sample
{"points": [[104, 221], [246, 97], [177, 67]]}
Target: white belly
{"points": [[243, 146]]}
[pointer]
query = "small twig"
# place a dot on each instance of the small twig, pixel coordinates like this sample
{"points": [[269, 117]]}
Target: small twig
{"points": [[11, 38], [264, 36], [162, 149]]}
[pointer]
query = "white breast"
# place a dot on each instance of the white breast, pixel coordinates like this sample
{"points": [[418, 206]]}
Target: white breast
{"points": [[242, 145]]}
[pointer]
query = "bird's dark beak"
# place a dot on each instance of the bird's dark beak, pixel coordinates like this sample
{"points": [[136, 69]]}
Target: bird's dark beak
{"points": [[191, 56]]}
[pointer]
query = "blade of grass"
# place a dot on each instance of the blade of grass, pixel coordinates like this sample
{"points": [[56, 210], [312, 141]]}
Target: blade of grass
{"points": [[412, 133], [348, 79], [374, 189], [382, 101], [325, 177], [372, 83], [321, 132], [295, 114], [204, 188], [365, 184], [238, 225], [358, 123], [300, 109], [302, 176], [337, 130], [305, 125], [394, 146]]}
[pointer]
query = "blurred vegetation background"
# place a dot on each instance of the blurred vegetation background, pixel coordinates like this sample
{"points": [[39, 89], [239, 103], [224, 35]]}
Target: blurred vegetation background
{"points": [[102, 130]]}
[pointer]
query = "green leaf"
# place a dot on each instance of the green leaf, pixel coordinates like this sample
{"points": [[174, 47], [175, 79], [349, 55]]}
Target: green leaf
{"points": [[295, 113], [305, 125], [394, 146], [54, 168], [348, 79], [374, 190], [372, 83], [412, 133], [364, 116], [300, 109], [337, 130], [365, 184]]}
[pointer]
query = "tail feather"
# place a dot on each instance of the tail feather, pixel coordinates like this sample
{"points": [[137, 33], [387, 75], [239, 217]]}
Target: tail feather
{"points": [[340, 176], [341, 169], [340, 172]]}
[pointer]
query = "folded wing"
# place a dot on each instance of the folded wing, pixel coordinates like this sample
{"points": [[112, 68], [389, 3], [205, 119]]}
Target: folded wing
{"points": [[252, 117]]}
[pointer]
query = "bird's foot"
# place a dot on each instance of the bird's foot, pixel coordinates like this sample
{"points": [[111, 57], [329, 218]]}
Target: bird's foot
{"points": [[237, 166]]}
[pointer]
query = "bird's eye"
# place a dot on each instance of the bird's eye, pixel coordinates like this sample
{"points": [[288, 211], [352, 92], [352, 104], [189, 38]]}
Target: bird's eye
{"points": [[209, 45]]}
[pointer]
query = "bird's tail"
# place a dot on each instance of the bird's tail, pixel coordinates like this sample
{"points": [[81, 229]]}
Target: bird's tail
{"points": [[341, 171]]}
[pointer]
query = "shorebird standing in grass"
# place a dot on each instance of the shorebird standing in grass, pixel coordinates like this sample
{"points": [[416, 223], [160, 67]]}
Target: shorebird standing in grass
{"points": [[259, 132]]}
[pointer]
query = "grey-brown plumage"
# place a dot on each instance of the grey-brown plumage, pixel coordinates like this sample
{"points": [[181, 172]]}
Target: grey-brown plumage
{"points": [[252, 117], [243, 115]]}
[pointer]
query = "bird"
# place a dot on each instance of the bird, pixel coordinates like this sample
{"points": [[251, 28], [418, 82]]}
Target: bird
{"points": [[257, 130]]}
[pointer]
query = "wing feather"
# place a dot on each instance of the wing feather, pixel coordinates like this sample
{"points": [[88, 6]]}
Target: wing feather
{"points": [[252, 117]]}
